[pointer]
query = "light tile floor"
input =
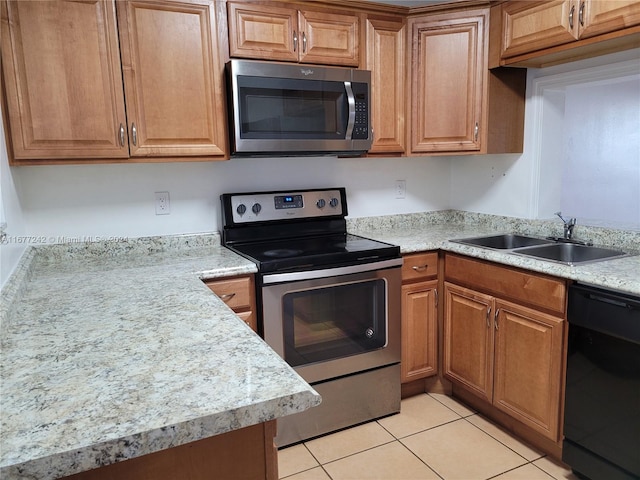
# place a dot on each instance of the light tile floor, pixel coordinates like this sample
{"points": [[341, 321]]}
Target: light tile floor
{"points": [[433, 437]]}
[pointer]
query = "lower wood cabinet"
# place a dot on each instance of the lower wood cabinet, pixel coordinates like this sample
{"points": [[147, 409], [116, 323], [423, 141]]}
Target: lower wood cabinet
{"points": [[245, 454], [239, 294], [419, 316], [504, 353]]}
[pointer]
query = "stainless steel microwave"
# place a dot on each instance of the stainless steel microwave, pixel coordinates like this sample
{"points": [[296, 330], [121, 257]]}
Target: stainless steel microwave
{"points": [[290, 109]]}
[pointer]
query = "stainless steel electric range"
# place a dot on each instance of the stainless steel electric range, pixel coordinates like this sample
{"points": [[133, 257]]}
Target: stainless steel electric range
{"points": [[328, 303]]}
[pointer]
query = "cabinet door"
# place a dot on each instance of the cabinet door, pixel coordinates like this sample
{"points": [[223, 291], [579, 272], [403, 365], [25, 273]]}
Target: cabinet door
{"points": [[604, 16], [530, 26], [173, 78], [263, 32], [64, 92], [419, 330], [528, 367], [449, 61], [328, 38], [386, 61], [468, 339]]}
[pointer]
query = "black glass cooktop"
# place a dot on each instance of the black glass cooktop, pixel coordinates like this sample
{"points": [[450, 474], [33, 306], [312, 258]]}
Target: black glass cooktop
{"points": [[315, 252]]}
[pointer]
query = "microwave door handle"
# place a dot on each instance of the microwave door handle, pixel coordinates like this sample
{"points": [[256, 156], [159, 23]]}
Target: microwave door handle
{"points": [[351, 100]]}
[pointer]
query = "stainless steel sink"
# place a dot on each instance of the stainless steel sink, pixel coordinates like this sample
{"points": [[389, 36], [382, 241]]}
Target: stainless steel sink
{"points": [[507, 241], [570, 253]]}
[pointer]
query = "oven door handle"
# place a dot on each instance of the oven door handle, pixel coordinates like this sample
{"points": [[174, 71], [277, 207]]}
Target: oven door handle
{"points": [[330, 272]]}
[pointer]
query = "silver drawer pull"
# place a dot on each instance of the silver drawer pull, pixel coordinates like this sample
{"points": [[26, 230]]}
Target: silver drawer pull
{"points": [[225, 298], [420, 268]]}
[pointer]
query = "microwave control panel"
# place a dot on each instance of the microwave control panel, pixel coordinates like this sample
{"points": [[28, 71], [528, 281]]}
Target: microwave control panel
{"points": [[361, 124]]}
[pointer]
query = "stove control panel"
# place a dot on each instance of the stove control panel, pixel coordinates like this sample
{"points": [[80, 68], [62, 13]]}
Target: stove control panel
{"points": [[264, 207]]}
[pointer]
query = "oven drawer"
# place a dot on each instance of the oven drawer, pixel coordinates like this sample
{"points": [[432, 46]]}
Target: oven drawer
{"points": [[418, 266]]}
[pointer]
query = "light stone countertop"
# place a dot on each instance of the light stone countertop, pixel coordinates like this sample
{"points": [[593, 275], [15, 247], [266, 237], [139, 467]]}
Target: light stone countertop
{"points": [[115, 350], [113, 354], [433, 231]]}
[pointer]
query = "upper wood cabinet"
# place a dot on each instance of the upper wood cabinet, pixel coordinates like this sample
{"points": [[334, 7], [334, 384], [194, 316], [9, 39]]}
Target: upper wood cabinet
{"points": [[63, 80], [457, 105], [173, 78], [66, 99], [386, 59], [281, 32], [536, 27]]}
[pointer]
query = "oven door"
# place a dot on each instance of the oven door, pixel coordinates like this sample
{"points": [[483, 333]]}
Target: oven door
{"points": [[334, 322]]}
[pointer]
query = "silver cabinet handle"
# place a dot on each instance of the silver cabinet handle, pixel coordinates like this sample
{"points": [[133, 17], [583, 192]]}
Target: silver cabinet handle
{"points": [[581, 14], [295, 40], [476, 129], [351, 101], [420, 268], [488, 315], [134, 134], [495, 319], [225, 298], [121, 135], [571, 12], [435, 290], [304, 42]]}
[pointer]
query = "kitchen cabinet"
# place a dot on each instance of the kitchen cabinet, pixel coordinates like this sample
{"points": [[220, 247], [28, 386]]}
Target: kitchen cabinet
{"points": [[531, 30], [419, 316], [504, 334], [279, 31], [82, 86], [239, 294], [385, 58], [457, 105], [249, 452]]}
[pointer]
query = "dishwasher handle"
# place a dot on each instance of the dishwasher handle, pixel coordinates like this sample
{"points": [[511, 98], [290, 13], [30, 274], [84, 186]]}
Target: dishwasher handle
{"points": [[605, 311]]}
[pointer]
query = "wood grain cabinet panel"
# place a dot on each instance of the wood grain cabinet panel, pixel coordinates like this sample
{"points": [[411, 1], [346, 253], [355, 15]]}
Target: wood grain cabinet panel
{"points": [[81, 85], [282, 32], [239, 295], [457, 104], [468, 335], [554, 30], [173, 78], [419, 316], [63, 80], [528, 366], [385, 58], [506, 354]]}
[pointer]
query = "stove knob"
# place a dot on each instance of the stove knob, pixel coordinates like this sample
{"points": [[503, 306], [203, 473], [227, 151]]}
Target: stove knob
{"points": [[241, 209], [321, 203], [256, 208], [333, 202]]}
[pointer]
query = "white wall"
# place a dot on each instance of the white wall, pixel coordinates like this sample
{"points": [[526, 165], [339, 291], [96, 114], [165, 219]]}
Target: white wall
{"points": [[118, 200], [11, 213], [531, 185]]}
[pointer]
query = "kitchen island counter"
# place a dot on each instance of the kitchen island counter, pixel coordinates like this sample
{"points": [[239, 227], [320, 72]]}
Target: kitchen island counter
{"points": [[110, 352]]}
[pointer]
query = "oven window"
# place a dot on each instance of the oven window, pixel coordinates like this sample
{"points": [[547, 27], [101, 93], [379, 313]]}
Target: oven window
{"points": [[334, 322], [291, 109]]}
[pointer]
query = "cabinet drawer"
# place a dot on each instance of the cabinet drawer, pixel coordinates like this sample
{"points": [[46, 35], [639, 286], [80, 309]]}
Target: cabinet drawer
{"points": [[419, 265], [235, 292], [528, 288]]}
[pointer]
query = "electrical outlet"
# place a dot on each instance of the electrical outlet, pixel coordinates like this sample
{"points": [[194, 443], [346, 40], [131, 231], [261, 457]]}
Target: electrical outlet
{"points": [[163, 207], [401, 188]]}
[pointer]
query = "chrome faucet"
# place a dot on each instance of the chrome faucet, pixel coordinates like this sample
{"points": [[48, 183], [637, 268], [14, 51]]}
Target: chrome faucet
{"points": [[568, 225]]}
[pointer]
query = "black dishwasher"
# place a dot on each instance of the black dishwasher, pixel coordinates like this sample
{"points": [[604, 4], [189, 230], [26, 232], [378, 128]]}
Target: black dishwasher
{"points": [[602, 402]]}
